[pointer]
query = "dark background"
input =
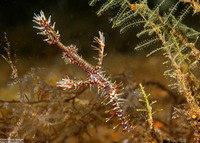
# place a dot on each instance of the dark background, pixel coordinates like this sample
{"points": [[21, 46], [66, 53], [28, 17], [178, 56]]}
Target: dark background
{"points": [[75, 19], [77, 23]]}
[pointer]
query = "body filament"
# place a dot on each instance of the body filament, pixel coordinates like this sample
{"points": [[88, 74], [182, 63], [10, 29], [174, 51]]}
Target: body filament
{"points": [[111, 91]]}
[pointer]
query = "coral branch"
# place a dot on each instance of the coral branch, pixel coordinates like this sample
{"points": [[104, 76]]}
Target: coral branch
{"points": [[8, 59]]}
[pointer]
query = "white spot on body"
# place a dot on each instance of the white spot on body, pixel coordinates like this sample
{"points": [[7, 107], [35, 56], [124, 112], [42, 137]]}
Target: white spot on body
{"points": [[94, 78]]}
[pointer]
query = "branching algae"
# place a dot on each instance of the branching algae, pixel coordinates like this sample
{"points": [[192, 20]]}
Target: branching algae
{"points": [[178, 45]]}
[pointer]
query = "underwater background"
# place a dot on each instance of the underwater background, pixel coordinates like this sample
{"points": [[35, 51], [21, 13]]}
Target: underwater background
{"points": [[78, 23]]}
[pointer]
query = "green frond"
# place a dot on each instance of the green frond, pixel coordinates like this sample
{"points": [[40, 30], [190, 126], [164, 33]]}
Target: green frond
{"points": [[108, 5], [154, 12], [193, 34], [122, 15], [183, 14], [123, 19], [153, 102], [189, 32], [154, 51], [171, 12], [151, 29], [131, 24], [158, 110], [147, 104], [166, 62], [92, 2], [141, 100], [156, 28], [146, 43], [146, 30], [141, 110]]}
